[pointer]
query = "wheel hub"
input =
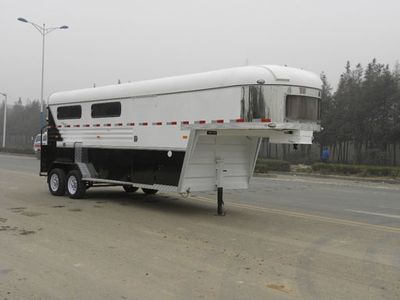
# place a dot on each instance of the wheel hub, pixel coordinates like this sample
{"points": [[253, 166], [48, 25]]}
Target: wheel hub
{"points": [[54, 182], [72, 185]]}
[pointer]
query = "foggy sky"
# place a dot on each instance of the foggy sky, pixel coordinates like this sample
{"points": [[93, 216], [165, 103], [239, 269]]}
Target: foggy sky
{"points": [[146, 39]]}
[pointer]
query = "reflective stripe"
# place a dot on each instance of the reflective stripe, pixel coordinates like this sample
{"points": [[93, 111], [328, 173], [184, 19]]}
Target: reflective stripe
{"points": [[240, 120]]}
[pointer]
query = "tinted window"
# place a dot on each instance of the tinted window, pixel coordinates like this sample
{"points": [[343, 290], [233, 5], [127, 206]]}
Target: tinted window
{"points": [[69, 112], [302, 108], [106, 110]]}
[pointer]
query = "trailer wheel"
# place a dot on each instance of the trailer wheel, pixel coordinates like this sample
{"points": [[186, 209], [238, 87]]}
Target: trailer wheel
{"points": [[56, 182], [76, 188], [130, 188], [149, 191]]}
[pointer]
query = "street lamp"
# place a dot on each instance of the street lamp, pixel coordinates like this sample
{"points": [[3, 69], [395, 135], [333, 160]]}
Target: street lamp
{"points": [[43, 31], [5, 119]]}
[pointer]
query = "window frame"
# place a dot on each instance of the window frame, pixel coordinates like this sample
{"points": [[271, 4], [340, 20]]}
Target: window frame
{"points": [[317, 119], [104, 114], [69, 117]]}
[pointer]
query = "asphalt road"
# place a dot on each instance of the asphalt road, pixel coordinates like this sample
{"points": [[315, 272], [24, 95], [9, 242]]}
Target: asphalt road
{"points": [[286, 238]]}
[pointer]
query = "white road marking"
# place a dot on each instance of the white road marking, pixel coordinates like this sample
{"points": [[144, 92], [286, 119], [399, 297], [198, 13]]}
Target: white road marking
{"points": [[305, 216], [335, 182], [375, 214]]}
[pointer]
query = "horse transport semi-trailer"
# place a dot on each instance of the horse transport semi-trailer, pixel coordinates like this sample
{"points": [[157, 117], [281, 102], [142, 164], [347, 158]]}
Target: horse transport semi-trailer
{"points": [[199, 132]]}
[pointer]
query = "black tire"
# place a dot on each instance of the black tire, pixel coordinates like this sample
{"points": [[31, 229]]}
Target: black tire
{"points": [[149, 191], [130, 189], [56, 182], [75, 186]]}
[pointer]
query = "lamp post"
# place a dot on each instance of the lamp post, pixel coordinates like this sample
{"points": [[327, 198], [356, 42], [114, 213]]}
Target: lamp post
{"points": [[43, 31], [5, 119]]}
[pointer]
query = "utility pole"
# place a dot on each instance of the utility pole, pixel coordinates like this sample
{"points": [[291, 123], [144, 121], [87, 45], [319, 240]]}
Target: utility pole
{"points": [[43, 31], [5, 119]]}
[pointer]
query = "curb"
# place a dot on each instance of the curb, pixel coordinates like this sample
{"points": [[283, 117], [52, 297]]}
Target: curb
{"points": [[350, 178], [17, 154]]}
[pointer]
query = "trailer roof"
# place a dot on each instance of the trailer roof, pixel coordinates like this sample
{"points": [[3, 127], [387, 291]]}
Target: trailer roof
{"points": [[269, 74]]}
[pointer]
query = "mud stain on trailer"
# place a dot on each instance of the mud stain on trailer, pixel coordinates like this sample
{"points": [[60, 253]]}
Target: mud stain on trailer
{"points": [[243, 108], [58, 206], [256, 103], [3, 220], [253, 103]]}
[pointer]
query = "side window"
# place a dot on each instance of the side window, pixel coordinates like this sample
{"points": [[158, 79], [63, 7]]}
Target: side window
{"points": [[69, 112], [106, 110], [302, 108]]}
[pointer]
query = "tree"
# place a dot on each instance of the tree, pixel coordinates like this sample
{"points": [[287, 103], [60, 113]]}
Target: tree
{"points": [[324, 138]]}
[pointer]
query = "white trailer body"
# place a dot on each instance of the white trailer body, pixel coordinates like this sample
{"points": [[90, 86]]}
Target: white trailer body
{"points": [[204, 129]]}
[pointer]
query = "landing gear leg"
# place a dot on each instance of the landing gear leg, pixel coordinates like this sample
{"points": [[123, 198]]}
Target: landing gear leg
{"points": [[220, 190], [220, 201]]}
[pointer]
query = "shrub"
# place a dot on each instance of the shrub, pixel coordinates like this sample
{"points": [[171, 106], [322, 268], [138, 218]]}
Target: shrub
{"points": [[298, 157], [265, 165], [361, 170]]}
